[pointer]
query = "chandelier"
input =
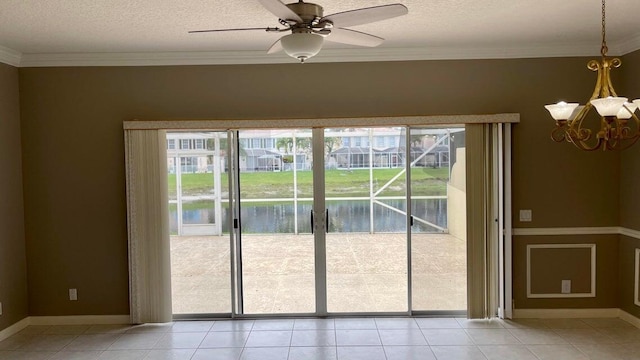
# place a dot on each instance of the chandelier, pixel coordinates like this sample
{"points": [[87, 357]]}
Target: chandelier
{"points": [[619, 125]]}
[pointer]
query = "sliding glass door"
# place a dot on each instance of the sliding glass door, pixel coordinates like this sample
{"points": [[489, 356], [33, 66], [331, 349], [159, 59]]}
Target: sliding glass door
{"points": [[276, 244], [197, 165], [318, 222], [438, 210], [366, 242]]}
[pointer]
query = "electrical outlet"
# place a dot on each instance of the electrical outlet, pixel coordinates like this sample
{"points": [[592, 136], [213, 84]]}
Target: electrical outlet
{"points": [[73, 294], [566, 286]]}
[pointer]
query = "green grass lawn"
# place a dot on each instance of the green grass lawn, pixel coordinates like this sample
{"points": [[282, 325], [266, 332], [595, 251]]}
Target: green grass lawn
{"points": [[338, 183]]}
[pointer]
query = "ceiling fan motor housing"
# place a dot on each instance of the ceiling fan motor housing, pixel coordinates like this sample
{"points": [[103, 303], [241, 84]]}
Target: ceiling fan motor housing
{"points": [[307, 11]]}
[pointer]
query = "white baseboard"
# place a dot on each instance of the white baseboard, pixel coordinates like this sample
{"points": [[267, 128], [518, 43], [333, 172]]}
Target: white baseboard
{"points": [[629, 318], [64, 320], [565, 313], [576, 313], [14, 329], [80, 320]]}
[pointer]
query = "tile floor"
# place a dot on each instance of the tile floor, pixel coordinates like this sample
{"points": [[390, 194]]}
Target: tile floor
{"points": [[340, 338]]}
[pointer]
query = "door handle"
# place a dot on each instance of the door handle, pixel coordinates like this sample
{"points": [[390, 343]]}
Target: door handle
{"points": [[326, 220], [311, 222]]}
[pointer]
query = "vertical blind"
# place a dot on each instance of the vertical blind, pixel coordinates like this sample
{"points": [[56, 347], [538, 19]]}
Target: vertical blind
{"points": [[148, 226], [483, 233]]}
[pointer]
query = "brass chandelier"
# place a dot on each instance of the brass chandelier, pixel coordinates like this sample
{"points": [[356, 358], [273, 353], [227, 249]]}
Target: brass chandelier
{"points": [[619, 125]]}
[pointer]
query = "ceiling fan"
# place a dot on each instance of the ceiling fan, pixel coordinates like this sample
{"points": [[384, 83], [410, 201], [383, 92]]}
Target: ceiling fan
{"points": [[309, 27]]}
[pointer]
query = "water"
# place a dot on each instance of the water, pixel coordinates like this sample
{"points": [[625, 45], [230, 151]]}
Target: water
{"points": [[344, 216]]}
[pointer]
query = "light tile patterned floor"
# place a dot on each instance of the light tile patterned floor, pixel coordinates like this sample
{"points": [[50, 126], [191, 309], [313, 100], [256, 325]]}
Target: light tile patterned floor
{"points": [[333, 339]]}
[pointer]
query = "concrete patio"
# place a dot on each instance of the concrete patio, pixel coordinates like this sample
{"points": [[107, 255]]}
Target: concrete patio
{"points": [[365, 273]]}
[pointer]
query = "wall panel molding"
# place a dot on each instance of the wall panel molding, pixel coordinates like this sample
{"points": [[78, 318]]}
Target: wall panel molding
{"points": [[568, 231], [605, 230], [591, 293], [636, 284], [630, 232]]}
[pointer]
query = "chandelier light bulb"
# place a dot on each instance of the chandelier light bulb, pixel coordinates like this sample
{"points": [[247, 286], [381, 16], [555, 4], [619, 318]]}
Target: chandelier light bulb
{"points": [[561, 110], [627, 111], [609, 106]]}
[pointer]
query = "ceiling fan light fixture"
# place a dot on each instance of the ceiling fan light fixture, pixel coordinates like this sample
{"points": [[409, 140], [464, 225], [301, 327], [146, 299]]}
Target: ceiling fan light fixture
{"points": [[302, 46]]}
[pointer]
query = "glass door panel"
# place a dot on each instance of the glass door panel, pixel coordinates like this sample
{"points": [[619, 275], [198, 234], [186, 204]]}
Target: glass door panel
{"points": [[366, 243], [277, 247], [438, 234], [199, 218]]}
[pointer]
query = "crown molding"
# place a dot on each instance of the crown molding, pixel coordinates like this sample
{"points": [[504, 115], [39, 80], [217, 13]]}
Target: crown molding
{"points": [[10, 56], [15, 58], [625, 46]]}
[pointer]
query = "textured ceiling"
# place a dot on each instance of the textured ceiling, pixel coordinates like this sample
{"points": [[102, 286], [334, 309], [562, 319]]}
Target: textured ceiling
{"points": [[41, 32]]}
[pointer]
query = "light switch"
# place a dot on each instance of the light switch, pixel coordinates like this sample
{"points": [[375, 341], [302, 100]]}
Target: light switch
{"points": [[525, 215]]}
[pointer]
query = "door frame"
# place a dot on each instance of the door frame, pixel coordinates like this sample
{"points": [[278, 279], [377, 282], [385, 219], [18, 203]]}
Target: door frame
{"points": [[420, 121]]}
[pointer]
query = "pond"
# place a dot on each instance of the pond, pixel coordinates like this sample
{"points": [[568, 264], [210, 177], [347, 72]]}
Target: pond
{"points": [[344, 216]]}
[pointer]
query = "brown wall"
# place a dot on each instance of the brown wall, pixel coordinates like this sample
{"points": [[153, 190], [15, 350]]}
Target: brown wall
{"points": [[630, 160], [629, 194], [13, 264], [627, 283], [563, 264], [73, 146]]}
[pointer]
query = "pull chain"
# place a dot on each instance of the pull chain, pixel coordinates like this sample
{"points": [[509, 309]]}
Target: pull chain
{"points": [[604, 50]]}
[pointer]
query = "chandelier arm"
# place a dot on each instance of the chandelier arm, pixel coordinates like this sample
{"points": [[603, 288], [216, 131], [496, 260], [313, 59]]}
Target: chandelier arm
{"points": [[586, 147], [628, 137], [582, 145], [595, 65], [558, 134], [612, 63], [582, 133]]}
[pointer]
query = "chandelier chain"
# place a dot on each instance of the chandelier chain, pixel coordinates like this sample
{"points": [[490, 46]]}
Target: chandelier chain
{"points": [[604, 48]]}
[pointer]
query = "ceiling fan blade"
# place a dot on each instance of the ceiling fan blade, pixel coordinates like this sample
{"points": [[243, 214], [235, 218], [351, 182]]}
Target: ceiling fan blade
{"points": [[280, 10], [366, 15], [352, 37], [276, 47], [267, 29]]}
